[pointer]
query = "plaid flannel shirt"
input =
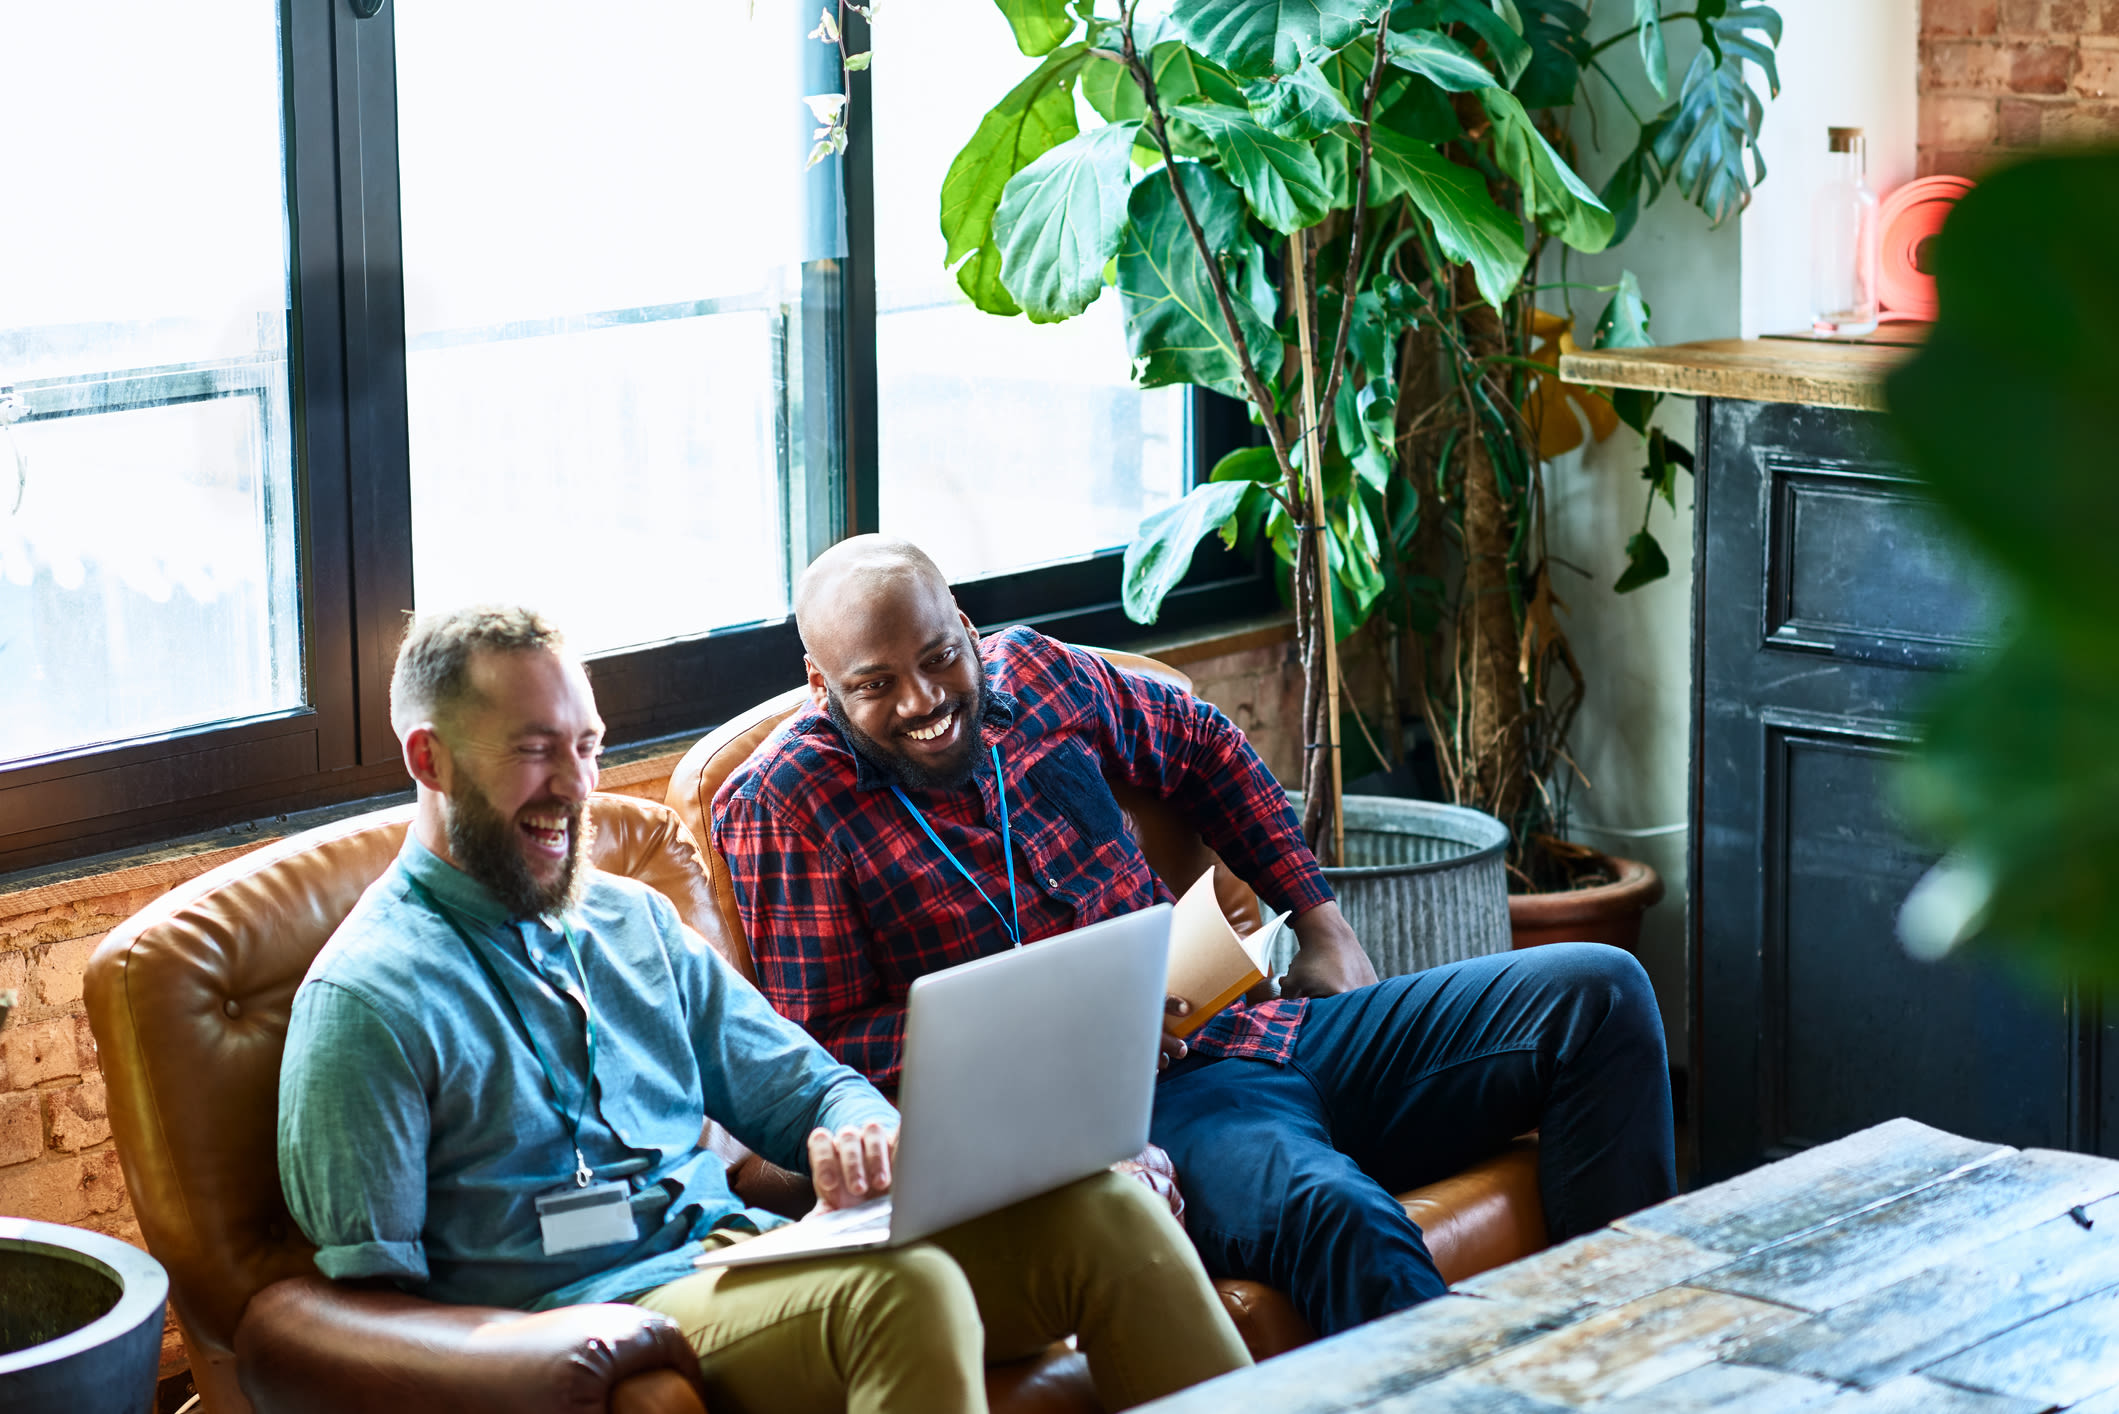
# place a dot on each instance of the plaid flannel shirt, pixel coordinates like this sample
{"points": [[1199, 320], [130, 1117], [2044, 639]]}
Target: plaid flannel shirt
{"points": [[846, 901]]}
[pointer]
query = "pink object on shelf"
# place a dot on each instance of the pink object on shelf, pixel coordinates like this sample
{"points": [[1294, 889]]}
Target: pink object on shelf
{"points": [[1911, 217]]}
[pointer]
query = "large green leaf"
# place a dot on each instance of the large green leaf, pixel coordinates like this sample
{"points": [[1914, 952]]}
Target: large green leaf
{"points": [[1300, 106], [1705, 136], [1040, 26], [2006, 410], [1435, 56], [1162, 550], [1558, 34], [1059, 222], [1036, 116], [1506, 47], [1252, 38], [1468, 225], [1180, 76], [1559, 201], [1648, 14], [1174, 327], [1279, 178]]}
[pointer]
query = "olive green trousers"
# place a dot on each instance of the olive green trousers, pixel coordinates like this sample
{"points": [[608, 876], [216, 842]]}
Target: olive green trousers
{"points": [[911, 1329]]}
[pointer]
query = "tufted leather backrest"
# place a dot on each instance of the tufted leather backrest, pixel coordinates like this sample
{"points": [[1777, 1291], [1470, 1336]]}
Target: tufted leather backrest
{"points": [[1173, 848], [189, 1000]]}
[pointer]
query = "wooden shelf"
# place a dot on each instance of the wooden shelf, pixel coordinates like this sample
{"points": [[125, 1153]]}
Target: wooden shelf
{"points": [[1818, 372]]}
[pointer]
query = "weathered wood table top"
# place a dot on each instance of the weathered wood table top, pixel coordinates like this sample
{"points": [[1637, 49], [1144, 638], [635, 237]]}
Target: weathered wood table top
{"points": [[1901, 1270]]}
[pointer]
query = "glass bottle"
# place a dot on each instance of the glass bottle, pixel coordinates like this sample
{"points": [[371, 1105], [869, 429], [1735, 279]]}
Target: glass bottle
{"points": [[1843, 240]]}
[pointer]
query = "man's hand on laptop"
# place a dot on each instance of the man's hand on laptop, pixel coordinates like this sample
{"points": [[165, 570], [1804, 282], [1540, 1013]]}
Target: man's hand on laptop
{"points": [[851, 1166], [1329, 960]]}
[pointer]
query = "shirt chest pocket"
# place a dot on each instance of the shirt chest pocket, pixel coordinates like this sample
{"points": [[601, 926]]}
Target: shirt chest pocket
{"points": [[1068, 780]]}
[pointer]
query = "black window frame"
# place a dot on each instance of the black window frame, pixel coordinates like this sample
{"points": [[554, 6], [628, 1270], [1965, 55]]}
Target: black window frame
{"points": [[352, 480]]}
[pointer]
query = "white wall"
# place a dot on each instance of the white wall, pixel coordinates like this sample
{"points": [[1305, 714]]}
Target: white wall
{"points": [[1841, 62], [1635, 649]]}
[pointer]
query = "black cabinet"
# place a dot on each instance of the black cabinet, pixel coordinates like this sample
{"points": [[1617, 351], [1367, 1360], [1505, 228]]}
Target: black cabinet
{"points": [[1828, 603]]}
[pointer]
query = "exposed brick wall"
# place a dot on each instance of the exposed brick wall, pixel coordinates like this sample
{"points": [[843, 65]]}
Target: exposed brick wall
{"points": [[57, 1161], [1999, 77]]}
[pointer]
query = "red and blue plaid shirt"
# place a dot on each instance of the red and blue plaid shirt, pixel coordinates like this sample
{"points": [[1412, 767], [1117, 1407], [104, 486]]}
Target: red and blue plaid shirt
{"points": [[846, 901]]}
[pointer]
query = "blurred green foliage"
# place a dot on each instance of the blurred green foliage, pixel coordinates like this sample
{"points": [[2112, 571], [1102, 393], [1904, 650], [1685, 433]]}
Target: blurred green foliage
{"points": [[2009, 411]]}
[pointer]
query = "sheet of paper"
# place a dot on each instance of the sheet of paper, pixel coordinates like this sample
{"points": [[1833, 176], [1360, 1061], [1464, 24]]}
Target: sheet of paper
{"points": [[1210, 966]]}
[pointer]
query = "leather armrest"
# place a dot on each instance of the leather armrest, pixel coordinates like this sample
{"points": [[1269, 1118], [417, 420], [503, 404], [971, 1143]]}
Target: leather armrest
{"points": [[760, 1183], [311, 1345]]}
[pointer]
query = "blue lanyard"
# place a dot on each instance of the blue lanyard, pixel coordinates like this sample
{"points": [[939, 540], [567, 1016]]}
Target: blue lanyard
{"points": [[582, 1172], [1000, 785]]}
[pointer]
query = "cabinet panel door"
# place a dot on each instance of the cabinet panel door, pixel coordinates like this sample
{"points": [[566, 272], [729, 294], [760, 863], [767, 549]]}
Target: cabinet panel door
{"points": [[1829, 603]]}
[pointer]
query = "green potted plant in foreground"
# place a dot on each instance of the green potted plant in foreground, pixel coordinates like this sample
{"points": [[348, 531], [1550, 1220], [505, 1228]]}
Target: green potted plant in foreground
{"points": [[1330, 211]]}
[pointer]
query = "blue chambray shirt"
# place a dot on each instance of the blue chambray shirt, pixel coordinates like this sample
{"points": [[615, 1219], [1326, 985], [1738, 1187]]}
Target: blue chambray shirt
{"points": [[417, 1128]]}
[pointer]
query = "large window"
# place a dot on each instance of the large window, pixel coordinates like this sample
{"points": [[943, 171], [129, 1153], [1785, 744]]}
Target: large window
{"points": [[147, 545], [992, 425], [315, 319]]}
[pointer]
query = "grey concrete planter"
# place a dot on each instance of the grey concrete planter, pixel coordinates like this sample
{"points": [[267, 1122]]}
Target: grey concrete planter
{"points": [[1424, 883], [80, 1321]]}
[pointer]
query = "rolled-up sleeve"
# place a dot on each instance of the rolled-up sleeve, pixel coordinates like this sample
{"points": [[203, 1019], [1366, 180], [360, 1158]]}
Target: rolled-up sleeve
{"points": [[764, 1078], [353, 1139]]}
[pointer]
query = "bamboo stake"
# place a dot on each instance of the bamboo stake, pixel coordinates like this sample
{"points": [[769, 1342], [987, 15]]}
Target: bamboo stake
{"points": [[1320, 556]]}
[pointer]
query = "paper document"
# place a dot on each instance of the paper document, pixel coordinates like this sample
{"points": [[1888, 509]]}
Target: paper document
{"points": [[1210, 966]]}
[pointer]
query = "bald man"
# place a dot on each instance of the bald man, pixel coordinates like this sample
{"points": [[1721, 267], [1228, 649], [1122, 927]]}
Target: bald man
{"points": [[945, 798]]}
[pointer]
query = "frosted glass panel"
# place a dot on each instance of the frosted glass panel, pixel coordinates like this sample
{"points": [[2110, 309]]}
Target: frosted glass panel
{"points": [[147, 565], [1003, 444], [601, 268]]}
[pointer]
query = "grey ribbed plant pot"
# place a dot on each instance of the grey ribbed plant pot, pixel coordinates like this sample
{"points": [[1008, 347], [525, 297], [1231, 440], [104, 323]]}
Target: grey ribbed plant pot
{"points": [[80, 1321], [1424, 883]]}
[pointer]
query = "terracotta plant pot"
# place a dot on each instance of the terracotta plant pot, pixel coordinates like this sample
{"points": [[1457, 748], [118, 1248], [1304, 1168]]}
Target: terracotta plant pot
{"points": [[1604, 913]]}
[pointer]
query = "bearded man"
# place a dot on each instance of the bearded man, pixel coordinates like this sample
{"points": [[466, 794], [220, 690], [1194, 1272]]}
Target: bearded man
{"points": [[947, 798], [498, 1070]]}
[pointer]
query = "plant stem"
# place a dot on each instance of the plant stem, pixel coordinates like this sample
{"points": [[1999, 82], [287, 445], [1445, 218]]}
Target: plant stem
{"points": [[1600, 46], [1320, 555], [1361, 204], [1618, 93], [1253, 384]]}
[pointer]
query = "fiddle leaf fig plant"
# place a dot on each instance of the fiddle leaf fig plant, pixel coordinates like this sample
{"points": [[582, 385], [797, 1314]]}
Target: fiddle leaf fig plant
{"points": [[1329, 209]]}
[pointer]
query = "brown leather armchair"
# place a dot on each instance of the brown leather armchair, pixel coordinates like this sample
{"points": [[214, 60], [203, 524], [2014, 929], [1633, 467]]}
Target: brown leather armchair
{"points": [[189, 1000], [1479, 1219]]}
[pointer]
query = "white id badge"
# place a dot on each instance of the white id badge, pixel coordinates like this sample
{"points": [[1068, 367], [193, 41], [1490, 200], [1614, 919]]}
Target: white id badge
{"points": [[596, 1216]]}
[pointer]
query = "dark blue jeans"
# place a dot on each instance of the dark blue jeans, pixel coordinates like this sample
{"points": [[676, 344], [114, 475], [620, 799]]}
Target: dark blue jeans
{"points": [[1288, 1171]]}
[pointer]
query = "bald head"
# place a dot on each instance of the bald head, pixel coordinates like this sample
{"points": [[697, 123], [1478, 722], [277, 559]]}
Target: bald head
{"points": [[892, 660], [859, 584]]}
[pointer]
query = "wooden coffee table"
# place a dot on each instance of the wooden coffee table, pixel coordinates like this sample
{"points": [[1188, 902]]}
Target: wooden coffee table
{"points": [[1900, 1269]]}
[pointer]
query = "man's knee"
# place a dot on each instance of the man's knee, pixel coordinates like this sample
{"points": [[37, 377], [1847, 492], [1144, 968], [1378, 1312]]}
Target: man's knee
{"points": [[1110, 1211], [914, 1294], [1597, 974]]}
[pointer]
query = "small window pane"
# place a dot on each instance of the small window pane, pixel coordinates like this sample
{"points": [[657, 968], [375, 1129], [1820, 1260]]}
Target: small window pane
{"points": [[1003, 444], [603, 298], [147, 550]]}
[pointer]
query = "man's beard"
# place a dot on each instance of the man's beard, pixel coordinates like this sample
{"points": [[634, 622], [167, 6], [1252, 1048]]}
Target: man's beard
{"points": [[488, 848], [907, 773]]}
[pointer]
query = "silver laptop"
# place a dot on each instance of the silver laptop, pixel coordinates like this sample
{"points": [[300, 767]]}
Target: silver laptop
{"points": [[1023, 1072]]}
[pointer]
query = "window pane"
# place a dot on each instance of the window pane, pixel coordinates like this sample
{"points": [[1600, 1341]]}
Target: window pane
{"points": [[1003, 444], [603, 307], [147, 560]]}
